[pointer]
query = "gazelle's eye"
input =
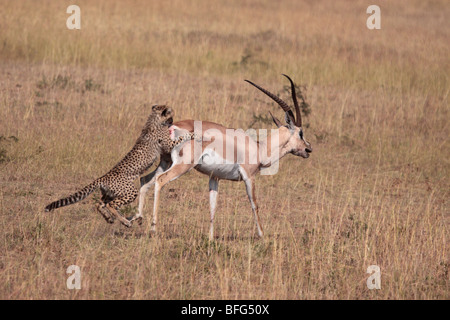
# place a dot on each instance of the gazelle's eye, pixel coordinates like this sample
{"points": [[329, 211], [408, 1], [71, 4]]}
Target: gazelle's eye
{"points": [[301, 134]]}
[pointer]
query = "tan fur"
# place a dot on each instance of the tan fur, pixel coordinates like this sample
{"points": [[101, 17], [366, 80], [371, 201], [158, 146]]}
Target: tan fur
{"points": [[288, 139]]}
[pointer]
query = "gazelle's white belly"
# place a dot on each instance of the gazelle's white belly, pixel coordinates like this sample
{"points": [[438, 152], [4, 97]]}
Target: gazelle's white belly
{"points": [[214, 165]]}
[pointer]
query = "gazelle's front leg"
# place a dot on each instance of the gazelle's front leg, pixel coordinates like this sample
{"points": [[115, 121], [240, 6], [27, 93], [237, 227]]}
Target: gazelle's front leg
{"points": [[173, 173], [146, 182], [250, 187], [213, 192]]}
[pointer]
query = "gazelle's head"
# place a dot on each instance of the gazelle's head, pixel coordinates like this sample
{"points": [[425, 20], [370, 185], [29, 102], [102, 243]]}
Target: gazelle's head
{"points": [[294, 141]]}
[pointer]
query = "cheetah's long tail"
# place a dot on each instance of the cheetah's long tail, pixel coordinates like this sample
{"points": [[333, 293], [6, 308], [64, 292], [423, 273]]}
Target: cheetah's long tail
{"points": [[78, 196]]}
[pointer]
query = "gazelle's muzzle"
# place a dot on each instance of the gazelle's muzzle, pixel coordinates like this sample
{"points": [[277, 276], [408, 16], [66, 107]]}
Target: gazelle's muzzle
{"points": [[304, 152]]}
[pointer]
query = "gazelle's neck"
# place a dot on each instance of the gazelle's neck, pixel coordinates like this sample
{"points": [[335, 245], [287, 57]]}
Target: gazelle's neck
{"points": [[274, 146]]}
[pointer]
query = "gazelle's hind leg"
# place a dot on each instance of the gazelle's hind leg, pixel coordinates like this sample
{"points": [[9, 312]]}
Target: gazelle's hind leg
{"points": [[213, 192], [146, 182], [250, 187], [174, 172]]}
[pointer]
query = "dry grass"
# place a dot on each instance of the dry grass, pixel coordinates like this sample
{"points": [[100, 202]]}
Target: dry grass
{"points": [[375, 190]]}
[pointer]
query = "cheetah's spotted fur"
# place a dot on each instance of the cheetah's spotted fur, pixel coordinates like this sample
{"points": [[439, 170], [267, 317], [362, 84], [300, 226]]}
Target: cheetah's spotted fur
{"points": [[117, 186]]}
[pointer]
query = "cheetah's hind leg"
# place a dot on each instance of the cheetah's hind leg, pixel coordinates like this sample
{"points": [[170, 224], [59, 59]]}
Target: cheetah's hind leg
{"points": [[114, 205], [101, 205], [113, 208]]}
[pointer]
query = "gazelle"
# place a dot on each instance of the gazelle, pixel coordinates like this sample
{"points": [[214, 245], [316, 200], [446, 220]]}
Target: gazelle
{"points": [[213, 160]]}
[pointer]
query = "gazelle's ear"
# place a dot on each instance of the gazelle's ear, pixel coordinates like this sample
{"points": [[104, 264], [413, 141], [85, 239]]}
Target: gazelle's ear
{"points": [[277, 122], [289, 121]]}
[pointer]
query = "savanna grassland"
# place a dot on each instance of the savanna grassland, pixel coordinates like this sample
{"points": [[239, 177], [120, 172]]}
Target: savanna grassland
{"points": [[375, 190]]}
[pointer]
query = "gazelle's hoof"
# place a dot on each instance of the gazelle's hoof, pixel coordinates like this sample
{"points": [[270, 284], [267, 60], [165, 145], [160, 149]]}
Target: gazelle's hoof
{"points": [[153, 230]]}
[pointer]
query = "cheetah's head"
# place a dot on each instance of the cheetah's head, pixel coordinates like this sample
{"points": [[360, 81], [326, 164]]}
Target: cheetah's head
{"points": [[164, 114]]}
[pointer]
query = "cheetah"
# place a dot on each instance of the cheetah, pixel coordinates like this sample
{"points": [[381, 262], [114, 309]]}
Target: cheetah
{"points": [[117, 186]]}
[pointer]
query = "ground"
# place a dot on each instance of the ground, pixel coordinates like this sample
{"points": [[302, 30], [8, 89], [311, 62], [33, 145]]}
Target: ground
{"points": [[375, 190]]}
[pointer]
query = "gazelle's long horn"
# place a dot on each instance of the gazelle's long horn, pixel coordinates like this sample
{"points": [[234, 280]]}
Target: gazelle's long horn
{"points": [[281, 103], [298, 118]]}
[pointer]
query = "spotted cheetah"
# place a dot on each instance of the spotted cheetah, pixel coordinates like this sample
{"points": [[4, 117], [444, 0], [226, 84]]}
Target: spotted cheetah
{"points": [[117, 186]]}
